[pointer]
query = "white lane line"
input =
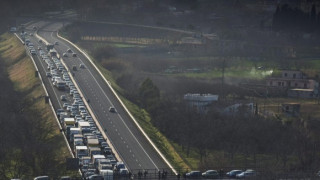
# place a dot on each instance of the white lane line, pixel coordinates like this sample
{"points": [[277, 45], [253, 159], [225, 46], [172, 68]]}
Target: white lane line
{"points": [[135, 138], [121, 118]]}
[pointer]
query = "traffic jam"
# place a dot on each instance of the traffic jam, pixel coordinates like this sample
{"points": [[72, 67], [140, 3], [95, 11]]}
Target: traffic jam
{"points": [[96, 158]]}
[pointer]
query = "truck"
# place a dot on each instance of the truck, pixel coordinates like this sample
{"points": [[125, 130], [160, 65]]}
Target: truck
{"points": [[93, 142], [81, 151], [107, 174], [95, 159], [72, 132], [84, 126], [68, 122], [94, 151]]}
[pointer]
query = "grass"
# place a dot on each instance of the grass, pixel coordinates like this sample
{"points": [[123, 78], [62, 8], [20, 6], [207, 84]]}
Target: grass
{"points": [[309, 107], [231, 73], [21, 72]]}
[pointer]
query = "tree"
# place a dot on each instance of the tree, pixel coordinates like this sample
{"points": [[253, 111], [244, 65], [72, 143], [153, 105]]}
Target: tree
{"points": [[149, 94]]}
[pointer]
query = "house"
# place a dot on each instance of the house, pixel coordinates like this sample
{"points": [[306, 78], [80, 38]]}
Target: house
{"points": [[296, 83]]}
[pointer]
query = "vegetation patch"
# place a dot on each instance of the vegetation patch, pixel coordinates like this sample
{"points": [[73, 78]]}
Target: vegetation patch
{"points": [[37, 147]]}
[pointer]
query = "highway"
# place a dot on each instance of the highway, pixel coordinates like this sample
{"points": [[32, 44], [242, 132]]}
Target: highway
{"points": [[132, 146]]}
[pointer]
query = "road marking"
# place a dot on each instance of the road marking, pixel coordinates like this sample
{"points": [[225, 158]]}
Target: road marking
{"points": [[134, 137]]}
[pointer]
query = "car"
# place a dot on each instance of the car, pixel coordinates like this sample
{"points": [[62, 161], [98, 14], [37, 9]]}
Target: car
{"points": [[69, 51], [56, 43], [65, 55], [48, 74], [104, 144], [194, 175], [123, 172], [65, 105], [65, 178], [33, 52], [107, 150], [96, 177], [211, 174], [112, 109], [234, 173], [31, 34], [81, 66], [69, 108], [246, 174], [63, 97], [59, 111], [39, 47], [42, 178], [74, 55], [120, 165], [74, 68]]}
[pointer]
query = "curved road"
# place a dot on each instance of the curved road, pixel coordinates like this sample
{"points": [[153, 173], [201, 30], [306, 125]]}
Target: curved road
{"points": [[131, 145]]}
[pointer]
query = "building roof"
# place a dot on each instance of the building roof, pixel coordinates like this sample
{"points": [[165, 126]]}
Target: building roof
{"points": [[201, 97], [305, 90]]}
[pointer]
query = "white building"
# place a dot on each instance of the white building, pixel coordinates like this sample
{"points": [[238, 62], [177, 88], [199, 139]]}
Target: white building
{"points": [[200, 101]]}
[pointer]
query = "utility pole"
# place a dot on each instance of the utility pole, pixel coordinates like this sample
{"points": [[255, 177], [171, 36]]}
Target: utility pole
{"points": [[222, 78]]}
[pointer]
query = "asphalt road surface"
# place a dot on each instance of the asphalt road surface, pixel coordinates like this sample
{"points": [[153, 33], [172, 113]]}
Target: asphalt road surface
{"points": [[131, 145]]}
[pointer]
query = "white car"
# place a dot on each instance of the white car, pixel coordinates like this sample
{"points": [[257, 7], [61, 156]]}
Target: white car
{"points": [[63, 97], [246, 174]]}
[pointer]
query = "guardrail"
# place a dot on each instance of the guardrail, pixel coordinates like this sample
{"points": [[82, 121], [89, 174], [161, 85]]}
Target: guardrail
{"points": [[116, 95]]}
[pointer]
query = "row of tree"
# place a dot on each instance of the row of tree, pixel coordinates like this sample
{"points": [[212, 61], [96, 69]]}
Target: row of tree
{"points": [[249, 136], [291, 19]]}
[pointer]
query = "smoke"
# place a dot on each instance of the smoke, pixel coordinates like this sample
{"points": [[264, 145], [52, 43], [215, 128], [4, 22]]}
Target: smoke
{"points": [[260, 73]]}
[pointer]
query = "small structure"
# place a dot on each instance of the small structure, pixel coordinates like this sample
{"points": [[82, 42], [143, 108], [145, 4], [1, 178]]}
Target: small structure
{"points": [[200, 101], [291, 108], [235, 108], [301, 93]]}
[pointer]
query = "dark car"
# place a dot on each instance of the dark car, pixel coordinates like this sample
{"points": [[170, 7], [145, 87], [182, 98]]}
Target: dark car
{"points": [[194, 175], [234, 173]]}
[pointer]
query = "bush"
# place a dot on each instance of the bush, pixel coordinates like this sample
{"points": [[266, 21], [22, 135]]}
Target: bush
{"points": [[103, 52]]}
